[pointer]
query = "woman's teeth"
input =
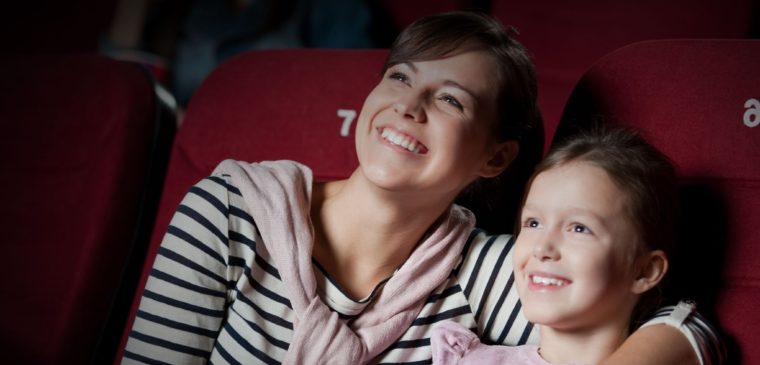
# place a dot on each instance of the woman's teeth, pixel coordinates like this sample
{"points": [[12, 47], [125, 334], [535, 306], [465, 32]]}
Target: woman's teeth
{"points": [[402, 141]]}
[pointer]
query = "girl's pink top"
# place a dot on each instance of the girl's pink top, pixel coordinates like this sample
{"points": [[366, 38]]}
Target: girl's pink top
{"points": [[451, 343]]}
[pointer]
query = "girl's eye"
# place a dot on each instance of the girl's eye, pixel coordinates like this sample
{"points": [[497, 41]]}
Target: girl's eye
{"points": [[451, 100], [530, 223], [579, 228]]}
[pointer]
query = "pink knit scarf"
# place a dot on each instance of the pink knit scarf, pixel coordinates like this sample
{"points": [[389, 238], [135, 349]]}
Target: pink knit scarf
{"points": [[278, 195]]}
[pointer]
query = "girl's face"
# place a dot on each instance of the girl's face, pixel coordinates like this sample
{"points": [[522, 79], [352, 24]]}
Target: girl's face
{"points": [[574, 253], [426, 127]]}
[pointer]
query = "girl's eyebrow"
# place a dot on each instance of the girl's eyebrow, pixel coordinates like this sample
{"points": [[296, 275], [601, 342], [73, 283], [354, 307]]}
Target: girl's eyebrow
{"points": [[528, 206]]}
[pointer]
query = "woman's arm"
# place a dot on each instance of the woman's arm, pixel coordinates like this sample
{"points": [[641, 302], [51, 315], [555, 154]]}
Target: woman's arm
{"points": [[487, 280], [184, 301], [674, 335], [657, 344]]}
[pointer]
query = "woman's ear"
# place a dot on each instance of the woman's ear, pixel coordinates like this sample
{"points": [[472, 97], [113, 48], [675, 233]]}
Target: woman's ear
{"points": [[501, 156], [652, 269]]}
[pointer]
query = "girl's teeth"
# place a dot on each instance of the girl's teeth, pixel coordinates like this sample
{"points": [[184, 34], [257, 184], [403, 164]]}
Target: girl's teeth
{"points": [[548, 281]]}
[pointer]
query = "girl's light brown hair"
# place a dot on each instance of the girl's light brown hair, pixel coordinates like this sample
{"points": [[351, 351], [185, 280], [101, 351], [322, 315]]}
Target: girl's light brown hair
{"points": [[645, 175]]}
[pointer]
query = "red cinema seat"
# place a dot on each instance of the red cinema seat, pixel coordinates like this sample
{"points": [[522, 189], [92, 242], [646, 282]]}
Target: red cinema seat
{"points": [[567, 37], [698, 102], [81, 162], [298, 104]]}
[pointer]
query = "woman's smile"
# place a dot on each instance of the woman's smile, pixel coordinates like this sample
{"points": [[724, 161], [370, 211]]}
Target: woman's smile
{"points": [[399, 139]]}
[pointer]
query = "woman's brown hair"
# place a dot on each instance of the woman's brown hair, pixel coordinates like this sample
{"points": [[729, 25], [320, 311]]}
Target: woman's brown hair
{"points": [[438, 36], [442, 35]]}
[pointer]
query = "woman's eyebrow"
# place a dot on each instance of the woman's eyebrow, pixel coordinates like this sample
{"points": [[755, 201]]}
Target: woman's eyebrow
{"points": [[459, 86], [446, 82], [410, 65]]}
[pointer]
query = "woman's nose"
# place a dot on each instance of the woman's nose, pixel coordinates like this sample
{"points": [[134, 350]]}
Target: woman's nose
{"points": [[410, 106]]}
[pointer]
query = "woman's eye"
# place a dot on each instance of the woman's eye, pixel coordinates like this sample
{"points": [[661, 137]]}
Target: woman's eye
{"points": [[399, 76], [451, 100]]}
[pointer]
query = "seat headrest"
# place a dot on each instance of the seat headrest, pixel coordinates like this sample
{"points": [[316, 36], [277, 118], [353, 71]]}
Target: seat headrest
{"points": [[281, 104], [696, 100]]}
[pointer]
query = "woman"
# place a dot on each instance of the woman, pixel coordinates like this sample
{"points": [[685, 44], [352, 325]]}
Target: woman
{"points": [[262, 265]]}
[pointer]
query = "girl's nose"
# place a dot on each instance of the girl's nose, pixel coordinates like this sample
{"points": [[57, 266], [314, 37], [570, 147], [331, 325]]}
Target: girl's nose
{"points": [[545, 249]]}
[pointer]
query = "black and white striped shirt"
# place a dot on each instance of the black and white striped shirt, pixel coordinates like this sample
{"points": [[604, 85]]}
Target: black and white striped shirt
{"points": [[214, 294]]}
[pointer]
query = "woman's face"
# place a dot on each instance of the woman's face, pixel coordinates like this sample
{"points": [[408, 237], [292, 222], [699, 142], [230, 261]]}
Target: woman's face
{"points": [[426, 127], [572, 258]]}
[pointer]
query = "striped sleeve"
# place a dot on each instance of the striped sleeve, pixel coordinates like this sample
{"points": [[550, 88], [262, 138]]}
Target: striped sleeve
{"points": [[702, 336], [487, 278], [184, 301]]}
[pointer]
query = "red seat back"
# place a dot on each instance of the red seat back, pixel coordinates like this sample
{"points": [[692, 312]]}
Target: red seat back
{"points": [[76, 139], [696, 100], [566, 38]]}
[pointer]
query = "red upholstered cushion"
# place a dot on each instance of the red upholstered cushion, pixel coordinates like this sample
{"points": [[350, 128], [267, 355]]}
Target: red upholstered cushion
{"points": [[75, 137], [697, 100], [266, 105], [294, 104], [567, 37]]}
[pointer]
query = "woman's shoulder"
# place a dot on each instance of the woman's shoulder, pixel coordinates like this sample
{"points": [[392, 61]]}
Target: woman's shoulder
{"points": [[482, 243], [230, 167], [483, 256], [218, 183], [217, 193]]}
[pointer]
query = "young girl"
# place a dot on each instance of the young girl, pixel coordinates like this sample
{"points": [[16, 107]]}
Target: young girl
{"points": [[595, 232], [261, 264]]}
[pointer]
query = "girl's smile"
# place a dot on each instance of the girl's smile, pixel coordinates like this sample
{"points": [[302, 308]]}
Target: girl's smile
{"points": [[543, 282]]}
